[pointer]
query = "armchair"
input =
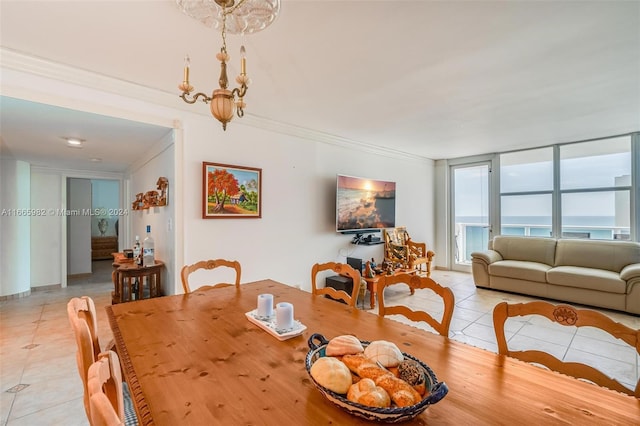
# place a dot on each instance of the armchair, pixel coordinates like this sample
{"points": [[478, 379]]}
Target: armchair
{"points": [[400, 249]]}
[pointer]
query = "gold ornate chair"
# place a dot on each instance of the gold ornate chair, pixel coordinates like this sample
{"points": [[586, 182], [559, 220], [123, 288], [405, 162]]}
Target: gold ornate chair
{"points": [[210, 264], [400, 249], [565, 315]]}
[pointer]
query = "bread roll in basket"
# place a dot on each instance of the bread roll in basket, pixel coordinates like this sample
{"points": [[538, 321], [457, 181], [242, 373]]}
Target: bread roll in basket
{"points": [[435, 390]]}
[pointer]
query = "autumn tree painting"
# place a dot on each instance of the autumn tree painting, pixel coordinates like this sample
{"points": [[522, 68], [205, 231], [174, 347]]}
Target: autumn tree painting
{"points": [[231, 191], [221, 184]]}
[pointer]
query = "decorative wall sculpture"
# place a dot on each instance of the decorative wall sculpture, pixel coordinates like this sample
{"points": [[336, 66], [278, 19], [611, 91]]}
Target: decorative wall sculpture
{"points": [[153, 198]]}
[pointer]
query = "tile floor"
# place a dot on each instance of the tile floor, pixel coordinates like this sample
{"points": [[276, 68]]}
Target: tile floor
{"points": [[40, 383]]}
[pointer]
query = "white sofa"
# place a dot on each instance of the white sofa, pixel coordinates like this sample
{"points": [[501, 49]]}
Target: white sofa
{"points": [[591, 272]]}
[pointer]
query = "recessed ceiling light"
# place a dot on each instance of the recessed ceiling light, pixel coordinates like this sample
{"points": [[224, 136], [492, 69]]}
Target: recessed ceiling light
{"points": [[73, 142], [96, 160]]}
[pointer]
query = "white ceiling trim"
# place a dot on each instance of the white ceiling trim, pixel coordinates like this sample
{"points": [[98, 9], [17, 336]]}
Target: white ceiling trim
{"points": [[84, 174], [11, 59]]}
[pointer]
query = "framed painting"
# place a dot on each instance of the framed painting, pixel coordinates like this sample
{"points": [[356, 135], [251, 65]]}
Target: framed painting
{"points": [[231, 191]]}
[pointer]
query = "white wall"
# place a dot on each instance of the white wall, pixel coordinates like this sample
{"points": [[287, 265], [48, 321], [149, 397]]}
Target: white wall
{"points": [[46, 229], [144, 176], [299, 168], [15, 233], [297, 228]]}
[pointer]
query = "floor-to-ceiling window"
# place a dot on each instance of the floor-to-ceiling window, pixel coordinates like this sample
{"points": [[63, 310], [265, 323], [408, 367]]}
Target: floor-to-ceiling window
{"points": [[586, 189]]}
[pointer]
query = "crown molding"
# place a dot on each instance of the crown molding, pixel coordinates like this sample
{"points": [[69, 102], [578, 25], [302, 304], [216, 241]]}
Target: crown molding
{"points": [[18, 61], [41, 67], [327, 138], [82, 174]]}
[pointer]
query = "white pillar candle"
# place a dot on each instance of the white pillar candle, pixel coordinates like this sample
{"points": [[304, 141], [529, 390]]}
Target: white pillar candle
{"points": [[284, 316], [265, 305]]}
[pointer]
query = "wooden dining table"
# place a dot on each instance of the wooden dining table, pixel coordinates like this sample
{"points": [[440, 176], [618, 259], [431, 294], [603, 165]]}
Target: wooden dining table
{"points": [[196, 359]]}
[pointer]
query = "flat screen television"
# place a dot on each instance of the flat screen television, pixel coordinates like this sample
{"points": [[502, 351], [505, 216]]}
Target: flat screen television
{"points": [[364, 205]]}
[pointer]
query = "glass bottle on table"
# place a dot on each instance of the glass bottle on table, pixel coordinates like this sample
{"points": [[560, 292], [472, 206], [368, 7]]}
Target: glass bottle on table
{"points": [[148, 249], [137, 252]]}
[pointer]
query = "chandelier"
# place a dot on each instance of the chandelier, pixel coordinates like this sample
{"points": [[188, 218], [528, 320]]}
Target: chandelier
{"points": [[235, 17]]}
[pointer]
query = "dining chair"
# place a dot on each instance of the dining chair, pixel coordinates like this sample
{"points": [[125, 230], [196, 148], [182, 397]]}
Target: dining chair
{"points": [[416, 282], [85, 354], [340, 269], [84, 322], [81, 312], [565, 315], [104, 380], [208, 265], [84, 308]]}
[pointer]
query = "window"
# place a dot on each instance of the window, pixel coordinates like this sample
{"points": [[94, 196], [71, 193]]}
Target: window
{"points": [[526, 192], [595, 188], [593, 196], [597, 164]]}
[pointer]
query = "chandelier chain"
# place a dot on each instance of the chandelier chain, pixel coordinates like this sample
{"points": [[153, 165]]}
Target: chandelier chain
{"points": [[224, 29]]}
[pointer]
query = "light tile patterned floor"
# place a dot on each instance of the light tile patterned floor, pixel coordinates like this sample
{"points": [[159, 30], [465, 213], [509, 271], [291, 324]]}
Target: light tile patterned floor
{"points": [[472, 323], [40, 385]]}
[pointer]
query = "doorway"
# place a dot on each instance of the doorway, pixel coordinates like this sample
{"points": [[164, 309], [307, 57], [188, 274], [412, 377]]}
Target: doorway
{"points": [[92, 223], [470, 212]]}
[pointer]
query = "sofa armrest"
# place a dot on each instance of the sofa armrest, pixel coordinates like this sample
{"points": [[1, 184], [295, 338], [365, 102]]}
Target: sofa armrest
{"points": [[480, 261], [488, 256], [630, 271]]}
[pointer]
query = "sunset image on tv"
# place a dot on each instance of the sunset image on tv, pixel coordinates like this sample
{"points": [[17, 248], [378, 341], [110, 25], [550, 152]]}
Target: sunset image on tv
{"points": [[364, 204]]}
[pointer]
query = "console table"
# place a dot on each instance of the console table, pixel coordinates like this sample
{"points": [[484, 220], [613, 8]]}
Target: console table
{"points": [[125, 275]]}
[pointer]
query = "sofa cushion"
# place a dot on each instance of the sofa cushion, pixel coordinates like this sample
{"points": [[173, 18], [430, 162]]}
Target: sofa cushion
{"points": [[588, 278], [608, 255], [530, 271], [534, 249]]}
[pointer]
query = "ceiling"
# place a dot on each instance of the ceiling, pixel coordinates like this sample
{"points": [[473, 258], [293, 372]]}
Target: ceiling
{"points": [[35, 133], [437, 79]]}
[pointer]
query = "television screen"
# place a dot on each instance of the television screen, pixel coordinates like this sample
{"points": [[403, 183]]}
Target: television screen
{"points": [[364, 204]]}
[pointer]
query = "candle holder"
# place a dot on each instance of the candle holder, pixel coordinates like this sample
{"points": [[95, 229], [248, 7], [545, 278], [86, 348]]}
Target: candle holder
{"points": [[284, 317]]}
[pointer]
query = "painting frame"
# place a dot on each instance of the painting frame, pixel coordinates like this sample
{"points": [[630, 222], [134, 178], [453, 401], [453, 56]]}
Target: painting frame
{"points": [[231, 192]]}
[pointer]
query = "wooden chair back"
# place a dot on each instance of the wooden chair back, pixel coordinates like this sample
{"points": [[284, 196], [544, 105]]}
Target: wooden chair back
{"points": [[85, 354], [567, 316], [105, 391], [84, 308], [208, 265], [340, 269], [417, 282]]}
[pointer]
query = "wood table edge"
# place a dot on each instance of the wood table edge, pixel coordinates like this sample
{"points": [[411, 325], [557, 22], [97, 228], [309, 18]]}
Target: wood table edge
{"points": [[135, 389]]}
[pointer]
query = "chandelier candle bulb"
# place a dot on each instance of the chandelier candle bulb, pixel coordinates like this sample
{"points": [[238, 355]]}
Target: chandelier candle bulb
{"points": [[187, 63], [243, 61]]}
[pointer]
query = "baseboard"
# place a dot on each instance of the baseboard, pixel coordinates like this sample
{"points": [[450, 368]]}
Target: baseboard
{"points": [[47, 287]]}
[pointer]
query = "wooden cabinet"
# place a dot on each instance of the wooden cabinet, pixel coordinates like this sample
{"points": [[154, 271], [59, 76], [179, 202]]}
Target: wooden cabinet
{"points": [[102, 247]]}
